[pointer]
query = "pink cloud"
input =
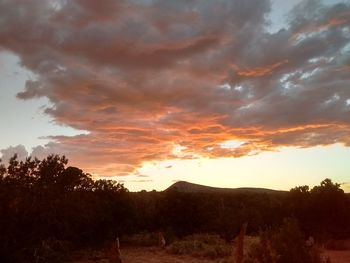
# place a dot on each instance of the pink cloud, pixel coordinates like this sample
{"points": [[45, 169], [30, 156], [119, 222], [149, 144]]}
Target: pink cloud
{"points": [[145, 77]]}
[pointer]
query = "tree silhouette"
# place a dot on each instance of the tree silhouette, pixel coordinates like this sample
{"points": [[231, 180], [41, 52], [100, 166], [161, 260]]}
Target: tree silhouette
{"points": [[46, 203]]}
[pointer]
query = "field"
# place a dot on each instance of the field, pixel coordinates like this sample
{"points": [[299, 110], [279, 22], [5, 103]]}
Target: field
{"points": [[339, 256], [156, 255], [149, 255]]}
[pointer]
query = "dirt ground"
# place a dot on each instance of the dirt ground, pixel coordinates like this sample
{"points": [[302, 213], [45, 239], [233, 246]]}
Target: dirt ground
{"points": [[155, 255], [339, 256], [143, 255]]}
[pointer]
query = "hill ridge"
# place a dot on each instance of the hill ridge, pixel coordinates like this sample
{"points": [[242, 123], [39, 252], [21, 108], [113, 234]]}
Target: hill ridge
{"points": [[188, 187]]}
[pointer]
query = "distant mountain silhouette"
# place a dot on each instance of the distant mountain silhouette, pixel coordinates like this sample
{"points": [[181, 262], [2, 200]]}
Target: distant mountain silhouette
{"points": [[186, 187]]}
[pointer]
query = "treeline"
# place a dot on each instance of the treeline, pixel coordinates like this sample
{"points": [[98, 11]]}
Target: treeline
{"points": [[42, 202], [322, 212], [45, 203]]}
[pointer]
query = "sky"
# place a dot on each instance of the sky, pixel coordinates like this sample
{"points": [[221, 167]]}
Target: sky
{"points": [[227, 93]]}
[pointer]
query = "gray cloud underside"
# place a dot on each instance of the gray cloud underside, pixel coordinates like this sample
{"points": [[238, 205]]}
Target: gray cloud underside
{"points": [[145, 76]]}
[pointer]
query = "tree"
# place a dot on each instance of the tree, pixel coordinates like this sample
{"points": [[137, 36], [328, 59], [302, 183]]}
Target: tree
{"points": [[44, 201], [329, 206]]}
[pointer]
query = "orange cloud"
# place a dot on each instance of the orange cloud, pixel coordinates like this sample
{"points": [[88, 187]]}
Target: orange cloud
{"points": [[259, 71], [157, 80]]}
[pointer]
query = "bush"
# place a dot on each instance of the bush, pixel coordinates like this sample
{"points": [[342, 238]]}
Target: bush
{"points": [[51, 251], [285, 245], [144, 239], [201, 245], [262, 252]]}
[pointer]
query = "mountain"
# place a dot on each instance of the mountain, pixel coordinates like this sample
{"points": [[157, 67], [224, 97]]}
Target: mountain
{"points": [[186, 187]]}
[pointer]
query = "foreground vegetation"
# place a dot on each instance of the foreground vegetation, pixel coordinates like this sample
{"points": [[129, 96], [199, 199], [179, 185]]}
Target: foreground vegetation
{"points": [[48, 209]]}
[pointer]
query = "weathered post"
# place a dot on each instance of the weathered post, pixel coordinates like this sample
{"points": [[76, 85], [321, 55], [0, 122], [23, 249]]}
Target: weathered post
{"points": [[115, 255], [240, 243], [161, 240]]}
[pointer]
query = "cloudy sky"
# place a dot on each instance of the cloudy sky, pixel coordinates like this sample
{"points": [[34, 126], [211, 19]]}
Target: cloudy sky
{"points": [[226, 93]]}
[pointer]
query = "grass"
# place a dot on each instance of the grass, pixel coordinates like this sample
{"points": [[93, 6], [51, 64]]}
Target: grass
{"points": [[204, 248], [144, 239], [337, 244], [201, 245]]}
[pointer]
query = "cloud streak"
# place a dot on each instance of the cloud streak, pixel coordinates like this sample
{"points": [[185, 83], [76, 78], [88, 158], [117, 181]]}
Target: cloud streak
{"points": [[155, 80]]}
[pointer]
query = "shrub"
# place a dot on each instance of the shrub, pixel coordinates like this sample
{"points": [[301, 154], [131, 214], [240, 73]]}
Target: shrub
{"points": [[145, 239], [262, 251], [51, 251], [284, 245], [201, 245]]}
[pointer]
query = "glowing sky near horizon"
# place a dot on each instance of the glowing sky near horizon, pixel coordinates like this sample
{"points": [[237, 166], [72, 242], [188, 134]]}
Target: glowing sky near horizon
{"points": [[215, 94]]}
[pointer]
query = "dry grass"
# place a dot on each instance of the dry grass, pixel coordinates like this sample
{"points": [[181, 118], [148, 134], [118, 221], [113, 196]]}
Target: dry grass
{"points": [[205, 245], [201, 245], [157, 255], [342, 244], [144, 254], [338, 256], [338, 250], [144, 239]]}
